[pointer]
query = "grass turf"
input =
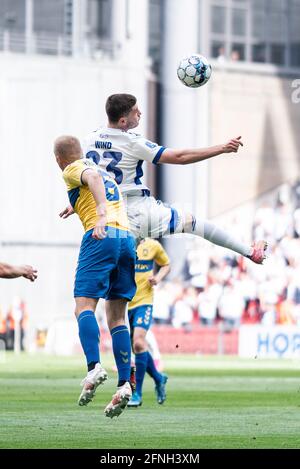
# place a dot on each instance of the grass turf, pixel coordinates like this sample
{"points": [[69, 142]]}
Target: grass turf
{"points": [[212, 402]]}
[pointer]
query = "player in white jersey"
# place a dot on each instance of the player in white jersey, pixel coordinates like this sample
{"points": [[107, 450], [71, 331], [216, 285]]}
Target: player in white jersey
{"points": [[121, 153]]}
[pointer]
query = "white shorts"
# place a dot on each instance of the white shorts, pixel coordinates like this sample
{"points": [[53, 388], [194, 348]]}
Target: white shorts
{"points": [[152, 218]]}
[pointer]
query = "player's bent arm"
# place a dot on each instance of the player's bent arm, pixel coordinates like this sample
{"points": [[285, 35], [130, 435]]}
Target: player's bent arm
{"points": [[194, 155], [96, 185], [161, 274]]}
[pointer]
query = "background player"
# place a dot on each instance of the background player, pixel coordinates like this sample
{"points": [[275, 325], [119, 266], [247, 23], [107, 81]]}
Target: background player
{"points": [[121, 153], [105, 268], [140, 315]]}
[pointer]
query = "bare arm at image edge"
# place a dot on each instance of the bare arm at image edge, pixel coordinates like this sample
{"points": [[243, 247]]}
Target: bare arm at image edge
{"points": [[13, 271]]}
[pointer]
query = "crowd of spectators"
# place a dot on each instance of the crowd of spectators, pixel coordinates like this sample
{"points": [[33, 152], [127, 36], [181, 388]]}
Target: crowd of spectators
{"points": [[218, 286]]}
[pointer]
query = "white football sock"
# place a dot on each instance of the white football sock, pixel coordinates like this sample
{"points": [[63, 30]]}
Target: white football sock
{"points": [[207, 230], [153, 345]]}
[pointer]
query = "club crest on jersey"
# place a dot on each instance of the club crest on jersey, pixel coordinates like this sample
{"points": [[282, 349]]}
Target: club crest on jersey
{"points": [[89, 162]]}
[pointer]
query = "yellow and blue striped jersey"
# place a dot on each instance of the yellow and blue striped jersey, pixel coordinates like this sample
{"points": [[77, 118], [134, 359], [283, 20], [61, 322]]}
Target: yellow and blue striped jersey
{"points": [[82, 199], [148, 252]]}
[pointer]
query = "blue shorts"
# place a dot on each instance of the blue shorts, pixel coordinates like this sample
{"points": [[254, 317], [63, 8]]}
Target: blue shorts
{"points": [[106, 267], [141, 316]]}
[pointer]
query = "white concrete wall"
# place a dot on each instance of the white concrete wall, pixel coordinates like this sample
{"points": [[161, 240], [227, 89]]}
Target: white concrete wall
{"points": [[240, 99], [41, 98], [252, 101]]}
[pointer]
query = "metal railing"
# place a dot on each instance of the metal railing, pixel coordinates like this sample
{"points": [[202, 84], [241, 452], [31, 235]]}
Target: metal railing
{"points": [[53, 44], [39, 43]]}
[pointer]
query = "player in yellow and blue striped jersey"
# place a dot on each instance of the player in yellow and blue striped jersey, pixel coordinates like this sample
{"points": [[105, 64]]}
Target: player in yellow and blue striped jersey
{"points": [[105, 269]]}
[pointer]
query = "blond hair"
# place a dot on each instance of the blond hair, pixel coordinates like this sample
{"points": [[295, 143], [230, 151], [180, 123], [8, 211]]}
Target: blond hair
{"points": [[67, 148]]}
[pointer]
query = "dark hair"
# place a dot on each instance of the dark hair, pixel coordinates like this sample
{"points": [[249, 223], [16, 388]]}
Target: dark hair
{"points": [[119, 105]]}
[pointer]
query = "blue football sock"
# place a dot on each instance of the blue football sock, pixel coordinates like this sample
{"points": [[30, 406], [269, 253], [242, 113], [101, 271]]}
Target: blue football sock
{"points": [[152, 370], [122, 352], [89, 335], [141, 360]]}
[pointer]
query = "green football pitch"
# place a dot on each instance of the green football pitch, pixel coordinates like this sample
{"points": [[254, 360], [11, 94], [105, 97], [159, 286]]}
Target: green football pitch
{"points": [[212, 402]]}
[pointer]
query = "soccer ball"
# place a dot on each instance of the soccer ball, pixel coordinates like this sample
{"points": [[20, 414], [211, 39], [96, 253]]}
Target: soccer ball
{"points": [[194, 71]]}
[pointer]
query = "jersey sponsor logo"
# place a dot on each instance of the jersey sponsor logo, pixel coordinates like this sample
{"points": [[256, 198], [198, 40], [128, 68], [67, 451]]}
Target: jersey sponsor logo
{"points": [[150, 144], [103, 136], [143, 268], [103, 145]]}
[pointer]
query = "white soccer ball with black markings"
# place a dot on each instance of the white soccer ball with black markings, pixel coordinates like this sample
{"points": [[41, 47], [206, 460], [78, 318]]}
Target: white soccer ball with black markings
{"points": [[194, 71]]}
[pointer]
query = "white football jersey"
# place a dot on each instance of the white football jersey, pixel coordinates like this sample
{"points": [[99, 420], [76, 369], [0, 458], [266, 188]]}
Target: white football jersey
{"points": [[121, 154]]}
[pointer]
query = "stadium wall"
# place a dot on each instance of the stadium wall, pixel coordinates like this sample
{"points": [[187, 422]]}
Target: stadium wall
{"points": [[251, 100], [40, 98], [269, 342], [248, 341], [62, 339], [255, 102]]}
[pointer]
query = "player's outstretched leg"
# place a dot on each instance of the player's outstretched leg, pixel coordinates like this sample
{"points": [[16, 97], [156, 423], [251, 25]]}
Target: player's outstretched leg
{"points": [[216, 235]]}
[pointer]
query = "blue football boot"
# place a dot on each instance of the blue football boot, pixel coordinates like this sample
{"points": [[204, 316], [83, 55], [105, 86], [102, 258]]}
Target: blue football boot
{"points": [[160, 389], [135, 401]]}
